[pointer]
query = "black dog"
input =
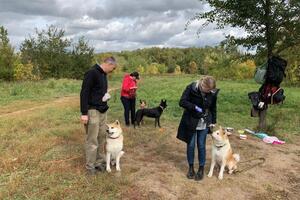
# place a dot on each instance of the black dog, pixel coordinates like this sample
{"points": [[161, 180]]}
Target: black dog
{"points": [[150, 112]]}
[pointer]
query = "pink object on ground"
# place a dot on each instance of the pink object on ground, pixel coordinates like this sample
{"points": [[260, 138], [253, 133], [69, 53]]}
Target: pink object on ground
{"points": [[272, 140], [279, 142]]}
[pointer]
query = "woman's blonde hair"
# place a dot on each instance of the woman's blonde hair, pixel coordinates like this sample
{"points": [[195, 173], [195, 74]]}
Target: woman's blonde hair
{"points": [[208, 82]]}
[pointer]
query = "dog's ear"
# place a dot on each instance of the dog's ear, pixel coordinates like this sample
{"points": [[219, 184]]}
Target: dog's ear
{"points": [[117, 122], [141, 101], [221, 129]]}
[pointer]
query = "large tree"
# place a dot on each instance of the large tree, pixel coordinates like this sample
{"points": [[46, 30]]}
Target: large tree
{"points": [[48, 52], [54, 55], [271, 25]]}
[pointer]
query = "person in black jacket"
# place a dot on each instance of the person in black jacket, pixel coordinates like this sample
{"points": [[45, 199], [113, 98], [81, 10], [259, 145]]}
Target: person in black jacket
{"points": [[93, 106], [199, 101]]}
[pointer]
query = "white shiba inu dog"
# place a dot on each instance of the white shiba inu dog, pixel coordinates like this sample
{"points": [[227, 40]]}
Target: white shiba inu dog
{"points": [[114, 145], [222, 154]]}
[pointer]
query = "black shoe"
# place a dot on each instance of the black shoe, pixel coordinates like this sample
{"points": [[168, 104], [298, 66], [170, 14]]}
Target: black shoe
{"points": [[199, 174], [92, 172], [191, 173], [100, 168]]}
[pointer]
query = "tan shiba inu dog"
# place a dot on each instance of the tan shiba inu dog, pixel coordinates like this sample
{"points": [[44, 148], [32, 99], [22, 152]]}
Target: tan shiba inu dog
{"points": [[114, 145], [222, 154]]}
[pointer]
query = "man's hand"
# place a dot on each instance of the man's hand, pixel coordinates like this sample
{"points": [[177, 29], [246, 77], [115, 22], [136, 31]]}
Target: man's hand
{"points": [[261, 105], [211, 128], [84, 119], [106, 97], [198, 109], [212, 125]]}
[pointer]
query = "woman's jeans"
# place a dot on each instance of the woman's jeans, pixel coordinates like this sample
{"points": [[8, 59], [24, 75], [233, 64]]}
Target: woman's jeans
{"points": [[201, 141], [129, 107]]}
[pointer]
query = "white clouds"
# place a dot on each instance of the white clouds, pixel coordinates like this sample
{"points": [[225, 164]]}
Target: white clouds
{"points": [[112, 25]]}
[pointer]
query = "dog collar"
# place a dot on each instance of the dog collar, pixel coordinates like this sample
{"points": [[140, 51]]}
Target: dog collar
{"points": [[113, 137], [161, 107], [219, 147]]}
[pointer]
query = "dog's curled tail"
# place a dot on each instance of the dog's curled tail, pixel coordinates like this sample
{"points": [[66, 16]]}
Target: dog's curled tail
{"points": [[236, 157]]}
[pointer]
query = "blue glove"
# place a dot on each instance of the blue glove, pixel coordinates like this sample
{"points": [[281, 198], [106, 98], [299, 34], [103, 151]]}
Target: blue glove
{"points": [[198, 109]]}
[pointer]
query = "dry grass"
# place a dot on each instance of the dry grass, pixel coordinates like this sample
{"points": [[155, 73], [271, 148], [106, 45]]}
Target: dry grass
{"points": [[42, 157]]}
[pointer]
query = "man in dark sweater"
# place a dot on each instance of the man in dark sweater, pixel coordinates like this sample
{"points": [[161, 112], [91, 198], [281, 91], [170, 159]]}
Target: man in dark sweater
{"points": [[93, 106]]}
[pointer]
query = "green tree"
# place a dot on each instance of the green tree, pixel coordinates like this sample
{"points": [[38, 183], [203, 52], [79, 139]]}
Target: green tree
{"points": [[48, 52], [82, 58], [271, 25], [7, 57]]}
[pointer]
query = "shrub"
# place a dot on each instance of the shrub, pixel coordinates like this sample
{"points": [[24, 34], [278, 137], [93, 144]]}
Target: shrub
{"points": [[152, 69], [24, 72]]}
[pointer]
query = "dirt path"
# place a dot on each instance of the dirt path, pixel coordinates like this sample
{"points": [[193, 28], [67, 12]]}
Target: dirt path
{"points": [[61, 100], [58, 101], [160, 170]]}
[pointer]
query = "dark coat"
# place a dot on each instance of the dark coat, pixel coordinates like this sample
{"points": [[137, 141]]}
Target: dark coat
{"points": [[190, 98], [94, 86]]}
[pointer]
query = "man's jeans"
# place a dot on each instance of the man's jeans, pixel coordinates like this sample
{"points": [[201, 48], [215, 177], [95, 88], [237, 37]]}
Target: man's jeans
{"points": [[95, 138]]}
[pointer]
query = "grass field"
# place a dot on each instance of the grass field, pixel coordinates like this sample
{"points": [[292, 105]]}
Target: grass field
{"points": [[42, 152]]}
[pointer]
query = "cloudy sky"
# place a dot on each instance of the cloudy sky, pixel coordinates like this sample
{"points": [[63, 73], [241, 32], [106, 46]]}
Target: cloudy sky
{"points": [[112, 25]]}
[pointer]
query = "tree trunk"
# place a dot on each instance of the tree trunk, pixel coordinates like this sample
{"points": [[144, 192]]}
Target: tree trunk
{"points": [[262, 124], [268, 29], [262, 114]]}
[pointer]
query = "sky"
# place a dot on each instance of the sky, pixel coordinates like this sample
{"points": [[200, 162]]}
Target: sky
{"points": [[113, 25]]}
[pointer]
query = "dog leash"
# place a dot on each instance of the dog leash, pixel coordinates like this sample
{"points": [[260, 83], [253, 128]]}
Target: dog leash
{"points": [[261, 159]]}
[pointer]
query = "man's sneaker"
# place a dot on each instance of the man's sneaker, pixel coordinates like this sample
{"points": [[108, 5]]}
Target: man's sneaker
{"points": [[100, 168], [92, 172]]}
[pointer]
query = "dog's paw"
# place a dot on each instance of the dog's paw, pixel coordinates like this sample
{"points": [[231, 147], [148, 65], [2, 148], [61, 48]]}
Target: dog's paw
{"points": [[108, 170], [118, 169], [209, 175], [220, 177]]}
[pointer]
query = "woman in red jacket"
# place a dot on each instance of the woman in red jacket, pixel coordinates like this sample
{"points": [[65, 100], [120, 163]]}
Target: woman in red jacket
{"points": [[128, 95]]}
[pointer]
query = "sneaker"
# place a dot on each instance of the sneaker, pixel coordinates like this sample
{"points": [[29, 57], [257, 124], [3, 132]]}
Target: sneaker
{"points": [[100, 168], [92, 172]]}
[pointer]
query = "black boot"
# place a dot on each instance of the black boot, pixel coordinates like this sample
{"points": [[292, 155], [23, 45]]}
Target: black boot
{"points": [[199, 174], [191, 172]]}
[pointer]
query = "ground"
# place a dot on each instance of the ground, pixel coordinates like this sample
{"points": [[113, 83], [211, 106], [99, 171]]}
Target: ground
{"points": [[154, 165]]}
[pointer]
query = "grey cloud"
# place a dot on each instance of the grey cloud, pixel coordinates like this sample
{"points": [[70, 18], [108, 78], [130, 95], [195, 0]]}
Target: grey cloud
{"points": [[29, 7], [111, 25], [125, 8]]}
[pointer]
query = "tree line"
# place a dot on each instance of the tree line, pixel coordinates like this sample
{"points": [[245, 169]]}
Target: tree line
{"points": [[49, 54]]}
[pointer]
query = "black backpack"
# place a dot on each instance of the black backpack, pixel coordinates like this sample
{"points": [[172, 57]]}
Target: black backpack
{"points": [[275, 70]]}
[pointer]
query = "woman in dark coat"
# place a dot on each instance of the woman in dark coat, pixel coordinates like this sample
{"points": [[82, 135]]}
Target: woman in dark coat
{"points": [[199, 101]]}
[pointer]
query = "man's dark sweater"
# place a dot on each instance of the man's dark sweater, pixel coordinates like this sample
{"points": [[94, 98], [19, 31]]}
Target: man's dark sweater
{"points": [[93, 88]]}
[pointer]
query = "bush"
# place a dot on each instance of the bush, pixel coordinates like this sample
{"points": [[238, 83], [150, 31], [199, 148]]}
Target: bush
{"points": [[152, 69], [177, 70], [23, 72], [140, 69]]}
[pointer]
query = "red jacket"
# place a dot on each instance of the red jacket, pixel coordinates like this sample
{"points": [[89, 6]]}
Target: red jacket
{"points": [[129, 87]]}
